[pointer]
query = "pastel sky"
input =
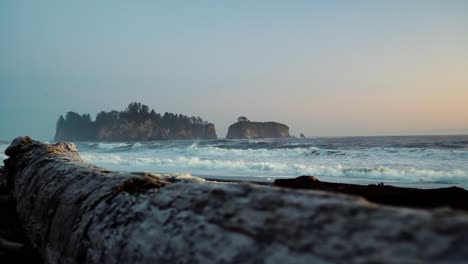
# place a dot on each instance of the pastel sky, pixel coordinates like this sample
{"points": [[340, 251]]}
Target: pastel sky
{"points": [[325, 68]]}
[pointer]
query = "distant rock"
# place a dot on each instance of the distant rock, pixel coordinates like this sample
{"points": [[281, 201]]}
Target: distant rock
{"points": [[245, 129], [302, 135], [136, 123]]}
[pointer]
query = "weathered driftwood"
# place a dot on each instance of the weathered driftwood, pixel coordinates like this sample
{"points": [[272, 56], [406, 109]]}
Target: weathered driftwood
{"points": [[454, 197], [3, 188], [10, 246], [74, 212], [13, 241]]}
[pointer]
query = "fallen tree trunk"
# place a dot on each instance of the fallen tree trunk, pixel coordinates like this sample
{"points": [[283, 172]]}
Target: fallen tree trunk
{"points": [[454, 197], [13, 241], [74, 212]]}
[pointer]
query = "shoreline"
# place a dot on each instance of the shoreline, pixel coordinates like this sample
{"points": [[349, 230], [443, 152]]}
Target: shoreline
{"points": [[358, 181]]}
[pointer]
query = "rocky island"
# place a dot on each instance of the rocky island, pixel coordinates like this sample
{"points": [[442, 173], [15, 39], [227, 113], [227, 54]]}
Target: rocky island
{"points": [[136, 123], [245, 129]]}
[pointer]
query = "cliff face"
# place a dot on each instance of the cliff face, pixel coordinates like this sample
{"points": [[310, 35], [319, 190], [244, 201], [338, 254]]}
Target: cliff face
{"points": [[195, 131], [146, 131], [131, 131], [247, 129], [202, 132]]}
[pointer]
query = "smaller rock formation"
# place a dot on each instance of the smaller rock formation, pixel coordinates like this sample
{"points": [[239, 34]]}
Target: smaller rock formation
{"points": [[245, 129]]}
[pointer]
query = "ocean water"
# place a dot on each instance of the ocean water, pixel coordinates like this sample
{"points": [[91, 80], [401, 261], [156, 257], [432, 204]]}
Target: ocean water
{"points": [[420, 161]]}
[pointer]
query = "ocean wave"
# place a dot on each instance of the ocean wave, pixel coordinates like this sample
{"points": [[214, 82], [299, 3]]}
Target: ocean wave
{"points": [[257, 153], [111, 147], [105, 146], [3, 147], [268, 168], [419, 143], [310, 152], [204, 150], [264, 148]]}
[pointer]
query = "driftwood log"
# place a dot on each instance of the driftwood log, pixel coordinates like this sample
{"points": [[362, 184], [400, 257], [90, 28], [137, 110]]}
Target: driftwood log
{"points": [[74, 212], [13, 242], [453, 197]]}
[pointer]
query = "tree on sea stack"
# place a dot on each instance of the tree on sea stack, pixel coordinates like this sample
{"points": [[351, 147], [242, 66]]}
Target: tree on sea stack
{"points": [[242, 119]]}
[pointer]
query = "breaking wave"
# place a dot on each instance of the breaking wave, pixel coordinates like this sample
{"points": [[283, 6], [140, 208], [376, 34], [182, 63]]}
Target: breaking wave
{"points": [[412, 142], [2, 152], [266, 168]]}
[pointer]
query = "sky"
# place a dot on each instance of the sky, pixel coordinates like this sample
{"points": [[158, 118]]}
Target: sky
{"points": [[324, 68]]}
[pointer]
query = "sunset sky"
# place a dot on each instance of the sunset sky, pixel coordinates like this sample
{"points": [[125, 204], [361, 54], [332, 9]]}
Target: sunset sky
{"points": [[325, 68]]}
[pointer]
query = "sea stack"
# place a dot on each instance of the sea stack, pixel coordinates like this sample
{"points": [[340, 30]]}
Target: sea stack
{"points": [[136, 123], [245, 129]]}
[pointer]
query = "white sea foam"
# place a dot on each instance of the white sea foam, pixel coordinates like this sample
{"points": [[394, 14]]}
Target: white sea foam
{"points": [[137, 145], [267, 168], [213, 151], [111, 145], [2, 153]]}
